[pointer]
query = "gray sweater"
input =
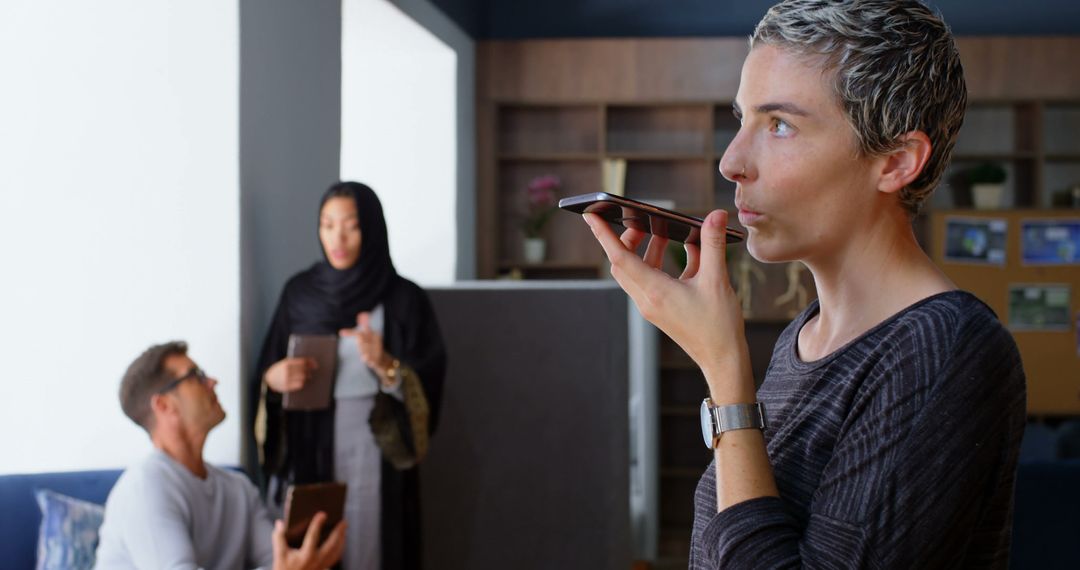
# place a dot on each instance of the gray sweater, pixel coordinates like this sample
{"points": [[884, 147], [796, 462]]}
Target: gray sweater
{"points": [[897, 451], [160, 515]]}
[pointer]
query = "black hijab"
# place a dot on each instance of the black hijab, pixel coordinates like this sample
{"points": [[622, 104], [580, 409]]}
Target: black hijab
{"points": [[324, 299]]}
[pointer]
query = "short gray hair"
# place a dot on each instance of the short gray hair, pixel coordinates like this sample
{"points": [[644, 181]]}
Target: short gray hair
{"points": [[895, 70]]}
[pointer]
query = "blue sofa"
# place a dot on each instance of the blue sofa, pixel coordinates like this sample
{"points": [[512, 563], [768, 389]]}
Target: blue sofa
{"points": [[1045, 527], [20, 516]]}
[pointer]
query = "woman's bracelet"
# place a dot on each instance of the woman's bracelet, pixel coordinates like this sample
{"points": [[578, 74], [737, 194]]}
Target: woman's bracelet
{"points": [[393, 371]]}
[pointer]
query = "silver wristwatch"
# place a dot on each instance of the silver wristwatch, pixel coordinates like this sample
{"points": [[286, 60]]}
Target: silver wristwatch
{"points": [[716, 420]]}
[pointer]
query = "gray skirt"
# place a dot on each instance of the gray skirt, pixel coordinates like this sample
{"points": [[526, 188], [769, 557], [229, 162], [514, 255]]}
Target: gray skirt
{"points": [[358, 463]]}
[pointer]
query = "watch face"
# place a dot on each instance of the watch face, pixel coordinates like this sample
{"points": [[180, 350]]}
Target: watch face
{"points": [[706, 424]]}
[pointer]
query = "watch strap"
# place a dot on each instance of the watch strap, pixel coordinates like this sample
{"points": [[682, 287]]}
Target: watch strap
{"points": [[732, 417]]}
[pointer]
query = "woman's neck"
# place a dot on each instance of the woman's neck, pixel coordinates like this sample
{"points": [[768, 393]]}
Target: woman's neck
{"points": [[875, 275]]}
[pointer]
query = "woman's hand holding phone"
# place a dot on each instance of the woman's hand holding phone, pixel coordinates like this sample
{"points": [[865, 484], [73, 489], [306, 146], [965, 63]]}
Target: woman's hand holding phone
{"points": [[699, 310]]}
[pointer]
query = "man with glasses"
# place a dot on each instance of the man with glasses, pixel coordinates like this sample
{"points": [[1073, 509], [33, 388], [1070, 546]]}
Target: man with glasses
{"points": [[174, 510]]}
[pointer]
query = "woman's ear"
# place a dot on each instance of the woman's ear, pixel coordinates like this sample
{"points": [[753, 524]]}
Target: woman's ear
{"points": [[903, 165]]}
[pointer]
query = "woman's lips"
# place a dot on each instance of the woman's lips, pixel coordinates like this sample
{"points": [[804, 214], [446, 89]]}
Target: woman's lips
{"points": [[748, 217]]}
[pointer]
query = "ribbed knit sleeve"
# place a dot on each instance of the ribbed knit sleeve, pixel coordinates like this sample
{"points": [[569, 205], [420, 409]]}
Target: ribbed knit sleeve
{"points": [[898, 451]]}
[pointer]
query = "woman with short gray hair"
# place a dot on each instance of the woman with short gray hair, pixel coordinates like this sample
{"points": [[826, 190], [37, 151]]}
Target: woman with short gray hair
{"points": [[887, 429]]}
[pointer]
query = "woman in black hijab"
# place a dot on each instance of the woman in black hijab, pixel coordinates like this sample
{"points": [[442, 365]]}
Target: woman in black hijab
{"points": [[391, 363]]}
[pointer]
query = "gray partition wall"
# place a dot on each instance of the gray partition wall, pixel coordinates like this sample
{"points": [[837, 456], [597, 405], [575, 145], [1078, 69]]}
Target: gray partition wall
{"points": [[529, 467]]}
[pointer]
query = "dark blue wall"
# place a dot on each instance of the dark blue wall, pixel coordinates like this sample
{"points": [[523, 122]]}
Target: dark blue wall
{"points": [[522, 19]]}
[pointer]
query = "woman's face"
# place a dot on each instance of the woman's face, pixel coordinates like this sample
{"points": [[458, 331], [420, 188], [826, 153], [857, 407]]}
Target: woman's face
{"points": [[339, 232], [801, 187]]}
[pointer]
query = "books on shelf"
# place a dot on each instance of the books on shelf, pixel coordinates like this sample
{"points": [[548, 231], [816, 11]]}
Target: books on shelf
{"points": [[614, 172]]}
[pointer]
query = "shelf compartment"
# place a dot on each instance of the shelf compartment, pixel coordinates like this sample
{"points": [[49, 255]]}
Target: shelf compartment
{"points": [[682, 387], [548, 265], [525, 130], [681, 472], [1020, 184], [989, 129], [673, 548], [724, 195], [551, 270], [1061, 131], [680, 411], [549, 157], [672, 357], [677, 497], [684, 182], [994, 157], [667, 129], [681, 442], [569, 240], [659, 156], [1060, 177], [1027, 127], [683, 383], [725, 127]]}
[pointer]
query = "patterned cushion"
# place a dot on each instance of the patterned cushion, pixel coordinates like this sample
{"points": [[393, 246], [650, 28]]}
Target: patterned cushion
{"points": [[69, 531]]}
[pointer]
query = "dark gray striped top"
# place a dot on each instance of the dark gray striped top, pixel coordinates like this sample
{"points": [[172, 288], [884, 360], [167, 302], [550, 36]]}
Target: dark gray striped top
{"points": [[897, 451]]}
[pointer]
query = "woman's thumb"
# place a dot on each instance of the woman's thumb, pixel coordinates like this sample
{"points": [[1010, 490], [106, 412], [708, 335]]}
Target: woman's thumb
{"points": [[714, 245]]}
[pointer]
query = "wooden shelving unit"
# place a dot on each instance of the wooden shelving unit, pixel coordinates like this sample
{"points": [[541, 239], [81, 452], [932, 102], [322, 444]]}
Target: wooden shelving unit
{"points": [[669, 152]]}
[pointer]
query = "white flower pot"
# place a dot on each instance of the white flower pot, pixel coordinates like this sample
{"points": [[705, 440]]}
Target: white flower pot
{"points": [[534, 249], [988, 196]]}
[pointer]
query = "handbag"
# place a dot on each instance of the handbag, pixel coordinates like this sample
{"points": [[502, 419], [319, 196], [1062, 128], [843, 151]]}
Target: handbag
{"points": [[401, 427]]}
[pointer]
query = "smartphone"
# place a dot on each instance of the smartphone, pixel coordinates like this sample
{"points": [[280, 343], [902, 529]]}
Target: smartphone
{"points": [[619, 211], [303, 501]]}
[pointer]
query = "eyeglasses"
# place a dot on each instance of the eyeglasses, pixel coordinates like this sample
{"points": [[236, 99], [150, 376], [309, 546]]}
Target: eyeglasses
{"points": [[196, 373]]}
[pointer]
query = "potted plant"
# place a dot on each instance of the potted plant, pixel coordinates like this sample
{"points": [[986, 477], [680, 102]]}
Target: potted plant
{"points": [[987, 183], [540, 205]]}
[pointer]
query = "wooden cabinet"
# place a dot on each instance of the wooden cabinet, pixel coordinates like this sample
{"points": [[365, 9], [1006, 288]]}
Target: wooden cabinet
{"points": [[1051, 357]]}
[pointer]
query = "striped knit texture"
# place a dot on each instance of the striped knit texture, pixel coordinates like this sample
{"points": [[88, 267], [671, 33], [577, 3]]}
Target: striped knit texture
{"points": [[897, 451]]}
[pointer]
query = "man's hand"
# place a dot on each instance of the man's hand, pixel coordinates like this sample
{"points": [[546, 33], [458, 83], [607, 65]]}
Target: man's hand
{"points": [[289, 374], [310, 555]]}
